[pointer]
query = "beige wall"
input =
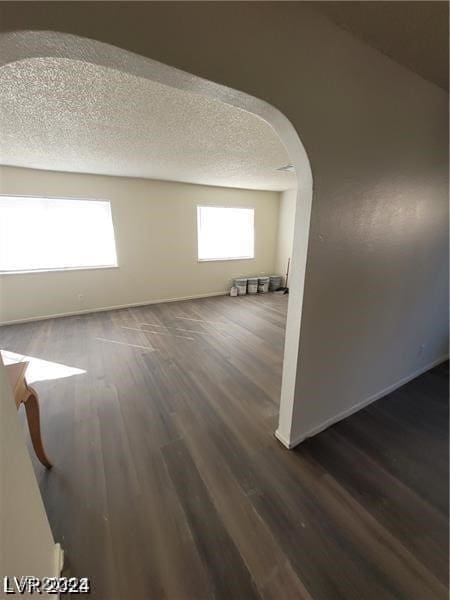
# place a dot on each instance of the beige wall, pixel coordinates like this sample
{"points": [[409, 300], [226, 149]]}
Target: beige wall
{"points": [[285, 238], [156, 238]]}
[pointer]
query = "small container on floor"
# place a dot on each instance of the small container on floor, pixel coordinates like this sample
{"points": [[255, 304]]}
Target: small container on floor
{"points": [[252, 285], [263, 284], [275, 282], [241, 284]]}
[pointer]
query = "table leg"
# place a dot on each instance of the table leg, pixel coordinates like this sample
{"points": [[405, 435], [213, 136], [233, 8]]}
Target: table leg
{"points": [[34, 425]]}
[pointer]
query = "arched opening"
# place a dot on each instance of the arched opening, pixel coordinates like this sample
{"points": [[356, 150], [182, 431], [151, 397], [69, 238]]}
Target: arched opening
{"points": [[216, 510], [29, 44]]}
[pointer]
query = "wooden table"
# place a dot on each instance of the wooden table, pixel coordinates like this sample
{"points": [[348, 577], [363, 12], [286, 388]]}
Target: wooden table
{"points": [[24, 393]]}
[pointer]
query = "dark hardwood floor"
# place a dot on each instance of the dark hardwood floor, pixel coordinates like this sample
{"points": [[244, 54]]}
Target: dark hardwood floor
{"points": [[168, 484]]}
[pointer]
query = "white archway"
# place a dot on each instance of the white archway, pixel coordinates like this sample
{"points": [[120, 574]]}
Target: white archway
{"points": [[23, 45]]}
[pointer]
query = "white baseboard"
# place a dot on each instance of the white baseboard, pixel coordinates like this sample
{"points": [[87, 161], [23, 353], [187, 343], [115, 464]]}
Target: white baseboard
{"points": [[58, 562], [296, 440], [280, 437], [114, 307]]}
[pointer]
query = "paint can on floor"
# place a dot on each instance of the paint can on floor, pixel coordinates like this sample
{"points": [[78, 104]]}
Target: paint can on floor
{"points": [[275, 282], [263, 285], [252, 285], [241, 284]]}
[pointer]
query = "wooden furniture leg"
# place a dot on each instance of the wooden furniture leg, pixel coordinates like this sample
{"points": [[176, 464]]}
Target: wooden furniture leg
{"points": [[34, 425], [25, 394]]}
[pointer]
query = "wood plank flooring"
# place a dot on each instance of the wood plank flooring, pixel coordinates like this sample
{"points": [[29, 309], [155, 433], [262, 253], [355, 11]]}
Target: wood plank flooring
{"points": [[168, 483]]}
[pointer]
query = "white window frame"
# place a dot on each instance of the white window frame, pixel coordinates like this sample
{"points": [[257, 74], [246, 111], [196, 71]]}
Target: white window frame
{"points": [[114, 265], [201, 260]]}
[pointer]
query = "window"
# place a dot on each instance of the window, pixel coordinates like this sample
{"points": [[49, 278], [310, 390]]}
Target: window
{"points": [[44, 234], [225, 233]]}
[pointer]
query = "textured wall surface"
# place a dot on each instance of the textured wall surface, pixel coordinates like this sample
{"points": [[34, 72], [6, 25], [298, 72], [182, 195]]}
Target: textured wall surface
{"points": [[156, 238]]}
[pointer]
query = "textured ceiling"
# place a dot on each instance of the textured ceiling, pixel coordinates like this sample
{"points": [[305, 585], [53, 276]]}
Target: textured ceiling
{"points": [[67, 115], [415, 34]]}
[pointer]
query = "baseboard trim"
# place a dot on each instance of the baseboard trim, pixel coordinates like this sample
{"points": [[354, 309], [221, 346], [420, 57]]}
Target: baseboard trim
{"points": [[114, 307], [280, 437], [296, 440], [58, 562]]}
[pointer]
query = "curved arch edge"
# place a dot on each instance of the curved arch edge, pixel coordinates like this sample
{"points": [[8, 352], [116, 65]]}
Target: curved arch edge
{"points": [[21, 45]]}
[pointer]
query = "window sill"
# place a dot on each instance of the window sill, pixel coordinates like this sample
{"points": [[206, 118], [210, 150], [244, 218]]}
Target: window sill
{"points": [[201, 260], [59, 270]]}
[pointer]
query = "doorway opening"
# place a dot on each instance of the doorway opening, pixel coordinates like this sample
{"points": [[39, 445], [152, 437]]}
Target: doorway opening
{"points": [[27, 45]]}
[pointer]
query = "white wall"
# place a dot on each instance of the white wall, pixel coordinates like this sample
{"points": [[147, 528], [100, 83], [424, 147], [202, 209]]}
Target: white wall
{"points": [[286, 220], [375, 309], [156, 237], [377, 139], [26, 542]]}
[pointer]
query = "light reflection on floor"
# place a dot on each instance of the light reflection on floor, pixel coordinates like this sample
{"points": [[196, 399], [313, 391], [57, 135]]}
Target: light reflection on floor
{"points": [[39, 369]]}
